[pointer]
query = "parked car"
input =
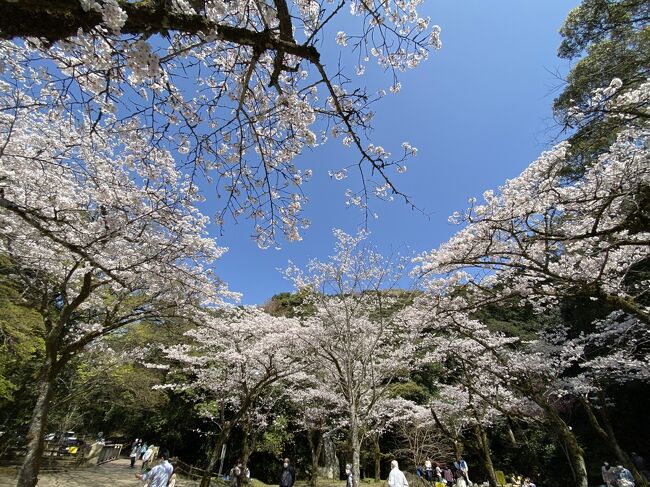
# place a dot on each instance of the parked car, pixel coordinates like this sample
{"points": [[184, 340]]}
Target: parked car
{"points": [[63, 438]]}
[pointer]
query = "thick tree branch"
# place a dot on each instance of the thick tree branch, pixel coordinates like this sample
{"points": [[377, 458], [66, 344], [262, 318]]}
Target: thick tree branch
{"points": [[56, 20]]}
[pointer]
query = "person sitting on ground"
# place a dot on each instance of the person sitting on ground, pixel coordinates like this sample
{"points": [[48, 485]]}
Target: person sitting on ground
{"points": [[428, 469], [396, 478], [237, 475], [448, 475], [438, 472], [623, 477], [159, 475]]}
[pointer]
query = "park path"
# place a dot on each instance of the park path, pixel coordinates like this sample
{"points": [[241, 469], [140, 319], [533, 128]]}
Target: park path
{"points": [[111, 474]]}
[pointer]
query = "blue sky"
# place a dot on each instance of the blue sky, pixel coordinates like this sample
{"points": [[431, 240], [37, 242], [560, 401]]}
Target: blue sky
{"points": [[479, 111]]}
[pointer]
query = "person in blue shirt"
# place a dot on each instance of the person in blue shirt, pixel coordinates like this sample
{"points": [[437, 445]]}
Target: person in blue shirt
{"points": [[159, 475]]}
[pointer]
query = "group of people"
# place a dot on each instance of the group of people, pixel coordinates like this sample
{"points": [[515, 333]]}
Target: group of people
{"points": [[240, 474], [160, 475], [141, 451], [519, 481], [618, 476], [452, 475], [456, 473]]}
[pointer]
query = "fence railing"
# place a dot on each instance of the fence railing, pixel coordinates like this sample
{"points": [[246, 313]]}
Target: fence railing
{"points": [[58, 459], [191, 472], [109, 453]]}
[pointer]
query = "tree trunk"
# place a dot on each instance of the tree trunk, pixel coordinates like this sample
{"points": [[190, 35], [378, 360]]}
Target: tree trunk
{"points": [[458, 448], [486, 455], [606, 432], [573, 450], [28, 475], [250, 441], [315, 439], [331, 468], [215, 456], [356, 448], [511, 433], [377, 455]]}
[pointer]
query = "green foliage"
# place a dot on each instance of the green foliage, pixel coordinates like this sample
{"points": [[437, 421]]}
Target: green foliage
{"points": [[21, 335], [613, 36], [536, 453], [276, 437], [411, 391], [290, 305], [512, 319]]}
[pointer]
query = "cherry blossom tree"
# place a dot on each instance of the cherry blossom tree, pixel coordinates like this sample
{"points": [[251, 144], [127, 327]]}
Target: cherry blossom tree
{"points": [[548, 235], [357, 336], [614, 353], [411, 423], [101, 231], [497, 376], [233, 89], [236, 358], [421, 437], [476, 390], [319, 415], [545, 236]]}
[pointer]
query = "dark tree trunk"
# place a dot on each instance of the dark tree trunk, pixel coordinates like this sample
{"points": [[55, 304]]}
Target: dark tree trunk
{"points": [[315, 439], [355, 444], [455, 439], [511, 434], [486, 455], [377, 455], [55, 360], [215, 456], [28, 475], [573, 449], [250, 441]]}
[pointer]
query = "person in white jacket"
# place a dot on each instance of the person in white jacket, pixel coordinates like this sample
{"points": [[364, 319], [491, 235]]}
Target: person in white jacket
{"points": [[146, 458], [396, 478]]}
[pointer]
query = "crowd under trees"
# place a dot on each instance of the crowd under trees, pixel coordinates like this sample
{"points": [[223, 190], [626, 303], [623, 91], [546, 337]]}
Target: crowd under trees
{"points": [[521, 343]]}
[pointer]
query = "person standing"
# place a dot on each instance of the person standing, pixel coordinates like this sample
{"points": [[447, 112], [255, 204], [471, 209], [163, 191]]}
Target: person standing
{"points": [[608, 473], [349, 477], [396, 478], [287, 474], [135, 450], [160, 474], [143, 449], [146, 458], [172, 478]]}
